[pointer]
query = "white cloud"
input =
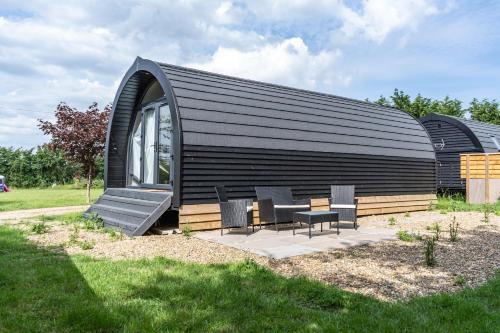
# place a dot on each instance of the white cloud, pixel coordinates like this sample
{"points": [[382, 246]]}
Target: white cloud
{"points": [[288, 62], [378, 18], [77, 51]]}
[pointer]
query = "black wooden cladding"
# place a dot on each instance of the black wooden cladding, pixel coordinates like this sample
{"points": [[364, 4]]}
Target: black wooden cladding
{"points": [[309, 173], [243, 133], [217, 110], [453, 136]]}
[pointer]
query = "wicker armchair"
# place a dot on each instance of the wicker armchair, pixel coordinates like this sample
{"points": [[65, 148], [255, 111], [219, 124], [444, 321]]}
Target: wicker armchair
{"points": [[276, 205], [344, 203], [234, 213]]}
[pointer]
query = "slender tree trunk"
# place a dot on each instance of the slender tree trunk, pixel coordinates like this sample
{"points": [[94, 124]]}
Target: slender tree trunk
{"points": [[89, 184]]}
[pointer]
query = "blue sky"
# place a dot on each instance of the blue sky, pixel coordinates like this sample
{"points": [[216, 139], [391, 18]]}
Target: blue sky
{"points": [[78, 51]]}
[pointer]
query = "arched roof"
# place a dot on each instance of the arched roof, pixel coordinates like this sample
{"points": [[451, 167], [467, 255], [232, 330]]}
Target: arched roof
{"points": [[216, 110], [480, 133], [219, 110]]}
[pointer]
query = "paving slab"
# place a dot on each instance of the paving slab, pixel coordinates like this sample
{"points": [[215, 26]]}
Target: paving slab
{"points": [[283, 244]]}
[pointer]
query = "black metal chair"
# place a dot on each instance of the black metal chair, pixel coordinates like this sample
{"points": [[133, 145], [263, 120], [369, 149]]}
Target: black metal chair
{"points": [[234, 213], [343, 202], [276, 205]]}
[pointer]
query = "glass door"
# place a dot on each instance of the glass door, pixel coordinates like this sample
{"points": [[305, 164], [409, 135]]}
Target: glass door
{"points": [[164, 145], [150, 148]]}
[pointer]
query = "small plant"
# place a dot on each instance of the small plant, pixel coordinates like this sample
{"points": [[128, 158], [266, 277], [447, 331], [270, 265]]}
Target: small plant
{"points": [[111, 232], [407, 214], [186, 231], [73, 237], [93, 222], [46, 218], [121, 235], [459, 280], [86, 245], [338, 255], [392, 220], [430, 248], [443, 212], [418, 236], [486, 211], [436, 229], [454, 230], [405, 236], [39, 228]]}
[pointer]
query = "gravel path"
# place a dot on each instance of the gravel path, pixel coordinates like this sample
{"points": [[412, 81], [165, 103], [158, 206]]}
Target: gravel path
{"points": [[389, 270], [27, 213]]}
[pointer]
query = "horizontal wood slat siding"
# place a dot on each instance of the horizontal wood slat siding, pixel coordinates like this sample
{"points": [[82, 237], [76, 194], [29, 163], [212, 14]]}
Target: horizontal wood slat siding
{"points": [[477, 166], [308, 173], [218, 110], [448, 157], [207, 216]]}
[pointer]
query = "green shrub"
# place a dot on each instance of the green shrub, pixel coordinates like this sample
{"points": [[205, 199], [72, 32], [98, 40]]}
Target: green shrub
{"points": [[486, 211], [406, 236], [75, 234], [459, 281], [41, 167], [93, 222], [86, 245], [430, 248], [454, 230], [436, 229], [187, 231], [39, 228], [392, 220]]}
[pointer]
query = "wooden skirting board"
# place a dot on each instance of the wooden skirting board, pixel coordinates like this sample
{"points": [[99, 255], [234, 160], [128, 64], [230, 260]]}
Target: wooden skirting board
{"points": [[207, 216]]}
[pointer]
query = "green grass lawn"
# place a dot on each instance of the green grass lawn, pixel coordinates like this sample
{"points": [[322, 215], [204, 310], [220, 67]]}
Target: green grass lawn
{"points": [[456, 203], [46, 291], [43, 198]]}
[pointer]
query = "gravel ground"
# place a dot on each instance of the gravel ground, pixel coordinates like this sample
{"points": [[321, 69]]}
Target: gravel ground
{"points": [[388, 270]]}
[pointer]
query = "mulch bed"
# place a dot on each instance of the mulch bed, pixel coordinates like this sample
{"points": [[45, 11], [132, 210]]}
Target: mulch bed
{"points": [[391, 270]]}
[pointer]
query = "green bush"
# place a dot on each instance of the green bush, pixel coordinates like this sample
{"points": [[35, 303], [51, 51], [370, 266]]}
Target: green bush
{"points": [[406, 236], [429, 253], [41, 167], [39, 228]]}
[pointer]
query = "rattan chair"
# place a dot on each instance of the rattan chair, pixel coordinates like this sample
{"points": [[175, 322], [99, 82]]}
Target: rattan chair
{"points": [[234, 213], [276, 205], [343, 202]]}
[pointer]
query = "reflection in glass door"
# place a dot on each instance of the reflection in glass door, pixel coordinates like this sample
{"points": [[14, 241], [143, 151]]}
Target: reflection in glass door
{"points": [[164, 144], [150, 147]]}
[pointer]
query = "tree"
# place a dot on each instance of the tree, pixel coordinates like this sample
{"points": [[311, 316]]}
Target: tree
{"points": [[81, 136], [485, 111], [421, 106]]}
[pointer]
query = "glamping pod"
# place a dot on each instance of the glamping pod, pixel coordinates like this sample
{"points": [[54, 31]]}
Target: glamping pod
{"points": [[453, 136], [175, 133]]}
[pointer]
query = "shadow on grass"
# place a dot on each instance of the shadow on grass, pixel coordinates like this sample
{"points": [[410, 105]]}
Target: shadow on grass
{"points": [[47, 291], [43, 291]]}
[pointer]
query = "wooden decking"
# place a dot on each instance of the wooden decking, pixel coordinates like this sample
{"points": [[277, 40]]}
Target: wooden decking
{"points": [[207, 216]]}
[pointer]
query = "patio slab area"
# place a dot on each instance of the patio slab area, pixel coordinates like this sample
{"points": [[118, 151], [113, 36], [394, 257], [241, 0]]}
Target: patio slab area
{"points": [[283, 244]]}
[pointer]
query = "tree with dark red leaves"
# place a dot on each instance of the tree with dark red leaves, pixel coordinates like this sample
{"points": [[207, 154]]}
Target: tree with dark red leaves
{"points": [[80, 135]]}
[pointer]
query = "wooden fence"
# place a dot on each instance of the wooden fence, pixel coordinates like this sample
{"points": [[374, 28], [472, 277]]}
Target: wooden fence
{"points": [[482, 176]]}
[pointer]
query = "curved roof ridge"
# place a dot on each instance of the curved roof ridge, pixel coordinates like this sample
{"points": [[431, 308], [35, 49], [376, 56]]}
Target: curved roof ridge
{"points": [[482, 131], [280, 86]]}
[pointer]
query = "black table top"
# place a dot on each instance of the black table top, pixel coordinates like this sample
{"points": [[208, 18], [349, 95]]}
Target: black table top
{"points": [[316, 212]]}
